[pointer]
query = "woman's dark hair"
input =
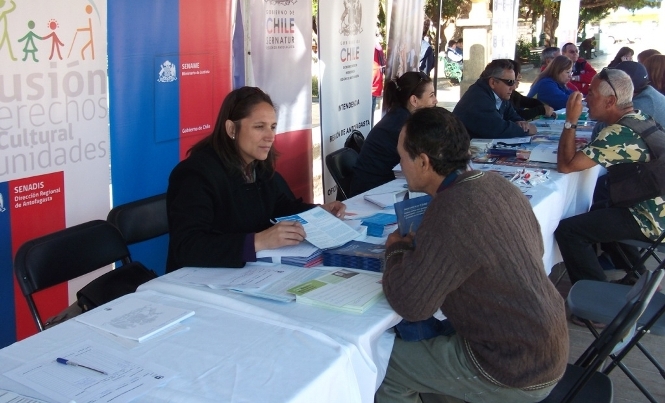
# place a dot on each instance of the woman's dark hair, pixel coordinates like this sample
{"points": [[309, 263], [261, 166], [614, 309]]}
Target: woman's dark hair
{"points": [[517, 68], [237, 105], [441, 136], [398, 90], [621, 53]]}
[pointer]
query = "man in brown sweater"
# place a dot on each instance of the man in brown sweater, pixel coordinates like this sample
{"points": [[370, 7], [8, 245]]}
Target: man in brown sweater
{"points": [[477, 256]]}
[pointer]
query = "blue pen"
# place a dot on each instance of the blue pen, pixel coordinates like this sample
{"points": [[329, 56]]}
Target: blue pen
{"points": [[74, 364]]}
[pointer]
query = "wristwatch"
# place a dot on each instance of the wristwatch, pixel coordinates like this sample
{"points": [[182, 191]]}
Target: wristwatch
{"points": [[569, 125]]}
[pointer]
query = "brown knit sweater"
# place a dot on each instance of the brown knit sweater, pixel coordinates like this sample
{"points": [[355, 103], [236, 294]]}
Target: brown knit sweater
{"points": [[478, 257]]}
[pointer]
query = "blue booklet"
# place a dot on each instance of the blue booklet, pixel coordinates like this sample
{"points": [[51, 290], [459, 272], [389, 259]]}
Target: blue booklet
{"points": [[410, 213]]}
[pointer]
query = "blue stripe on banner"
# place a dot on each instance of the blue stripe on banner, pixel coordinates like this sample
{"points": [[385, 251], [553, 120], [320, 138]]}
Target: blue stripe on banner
{"points": [[239, 50], [7, 313], [144, 132], [139, 34]]}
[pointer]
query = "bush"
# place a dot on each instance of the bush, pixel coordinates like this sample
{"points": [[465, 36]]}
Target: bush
{"points": [[523, 49], [315, 86]]}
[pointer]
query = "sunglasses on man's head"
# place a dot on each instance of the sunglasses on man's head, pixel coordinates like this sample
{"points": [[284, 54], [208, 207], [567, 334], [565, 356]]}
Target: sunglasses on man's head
{"points": [[605, 77], [506, 81]]}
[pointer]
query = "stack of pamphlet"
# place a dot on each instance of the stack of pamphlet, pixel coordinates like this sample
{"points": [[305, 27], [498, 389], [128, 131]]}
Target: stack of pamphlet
{"points": [[312, 260], [377, 223], [356, 255], [343, 290]]}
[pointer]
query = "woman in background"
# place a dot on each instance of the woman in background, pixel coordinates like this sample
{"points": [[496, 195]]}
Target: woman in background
{"points": [[378, 156], [527, 108], [625, 54], [655, 66], [550, 85], [222, 197]]}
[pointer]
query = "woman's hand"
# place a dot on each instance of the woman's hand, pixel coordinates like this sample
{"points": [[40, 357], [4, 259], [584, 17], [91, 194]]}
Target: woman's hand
{"points": [[335, 208], [549, 112], [281, 234]]}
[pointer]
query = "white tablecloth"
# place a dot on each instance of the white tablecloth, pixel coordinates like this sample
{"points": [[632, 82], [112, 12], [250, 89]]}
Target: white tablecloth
{"points": [[370, 344], [224, 356]]}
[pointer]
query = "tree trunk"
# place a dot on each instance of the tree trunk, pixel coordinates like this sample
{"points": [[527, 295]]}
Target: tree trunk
{"points": [[550, 23]]}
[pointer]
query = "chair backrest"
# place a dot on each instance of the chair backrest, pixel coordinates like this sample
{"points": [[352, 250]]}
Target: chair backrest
{"points": [[64, 255], [621, 326], [340, 164], [355, 141], [142, 219]]}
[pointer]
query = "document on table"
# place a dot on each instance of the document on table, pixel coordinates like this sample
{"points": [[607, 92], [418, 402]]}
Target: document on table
{"points": [[303, 249], [256, 279], [11, 397], [126, 378], [344, 290], [323, 229], [134, 318]]}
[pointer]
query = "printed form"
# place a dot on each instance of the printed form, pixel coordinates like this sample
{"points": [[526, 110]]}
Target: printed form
{"points": [[125, 379]]}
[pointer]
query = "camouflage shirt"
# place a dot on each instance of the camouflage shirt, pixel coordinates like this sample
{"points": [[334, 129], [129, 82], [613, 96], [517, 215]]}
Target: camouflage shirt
{"points": [[617, 144]]}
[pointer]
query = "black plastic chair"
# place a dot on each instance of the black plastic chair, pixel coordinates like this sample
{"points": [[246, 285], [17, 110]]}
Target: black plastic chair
{"points": [[64, 255], [599, 301], [340, 164], [582, 382], [141, 220]]}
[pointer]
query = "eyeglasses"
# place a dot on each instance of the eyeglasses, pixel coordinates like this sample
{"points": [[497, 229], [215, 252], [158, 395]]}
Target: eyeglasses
{"points": [[605, 77], [506, 81]]}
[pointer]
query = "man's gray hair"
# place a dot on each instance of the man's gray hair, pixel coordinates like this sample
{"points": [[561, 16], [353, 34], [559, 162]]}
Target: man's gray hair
{"points": [[548, 53], [622, 84], [496, 67]]}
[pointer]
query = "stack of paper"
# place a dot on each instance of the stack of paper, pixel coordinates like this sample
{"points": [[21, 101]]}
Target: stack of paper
{"points": [[342, 290], [134, 318], [356, 255], [377, 223], [302, 255], [384, 200]]}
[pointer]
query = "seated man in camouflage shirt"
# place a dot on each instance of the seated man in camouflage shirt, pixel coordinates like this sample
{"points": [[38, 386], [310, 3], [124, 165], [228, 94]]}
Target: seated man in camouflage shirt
{"points": [[609, 100]]}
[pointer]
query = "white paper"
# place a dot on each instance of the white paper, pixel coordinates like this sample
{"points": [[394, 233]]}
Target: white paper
{"points": [[134, 318], [126, 378], [277, 290], [544, 153], [253, 275], [514, 140], [303, 249], [355, 289], [385, 199], [323, 229], [11, 397]]}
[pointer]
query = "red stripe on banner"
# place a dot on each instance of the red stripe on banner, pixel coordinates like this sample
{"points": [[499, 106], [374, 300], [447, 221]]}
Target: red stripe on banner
{"points": [[295, 161], [205, 66], [38, 208]]}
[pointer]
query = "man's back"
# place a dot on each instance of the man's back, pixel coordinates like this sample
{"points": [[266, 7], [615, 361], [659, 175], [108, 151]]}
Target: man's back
{"points": [[479, 254]]}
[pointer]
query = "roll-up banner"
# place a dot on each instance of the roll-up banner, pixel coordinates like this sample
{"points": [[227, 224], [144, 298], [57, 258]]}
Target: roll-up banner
{"points": [[567, 29], [54, 137], [504, 29], [280, 54], [346, 52], [405, 31], [169, 70]]}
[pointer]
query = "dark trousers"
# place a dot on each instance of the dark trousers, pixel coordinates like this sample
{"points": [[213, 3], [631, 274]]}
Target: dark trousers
{"points": [[577, 238]]}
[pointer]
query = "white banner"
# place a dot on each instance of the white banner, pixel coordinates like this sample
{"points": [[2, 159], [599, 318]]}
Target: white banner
{"points": [[346, 52], [405, 31], [281, 57], [567, 29], [53, 99], [504, 29]]}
